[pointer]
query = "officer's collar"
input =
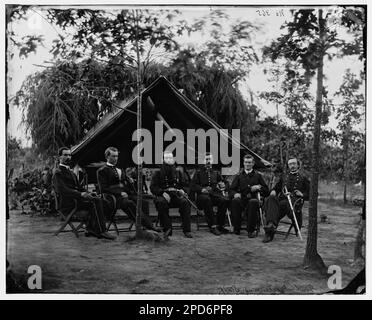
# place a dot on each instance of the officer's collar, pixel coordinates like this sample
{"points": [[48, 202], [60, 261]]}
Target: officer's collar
{"points": [[65, 166], [110, 164], [248, 172], [294, 172]]}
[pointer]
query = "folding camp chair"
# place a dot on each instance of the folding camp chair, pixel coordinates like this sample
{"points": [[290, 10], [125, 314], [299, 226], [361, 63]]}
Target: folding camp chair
{"points": [[67, 220], [199, 217], [112, 220], [297, 205], [205, 225]]}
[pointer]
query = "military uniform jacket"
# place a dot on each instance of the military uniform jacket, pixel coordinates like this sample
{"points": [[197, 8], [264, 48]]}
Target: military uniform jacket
{"points": [[109, 181], [243, 182], [293, 181], [68, 188], [206, 177], [167, 177]]}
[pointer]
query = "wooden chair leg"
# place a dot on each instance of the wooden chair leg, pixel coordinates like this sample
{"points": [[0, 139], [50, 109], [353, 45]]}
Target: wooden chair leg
{"points": [[289, 231], [80, 226], [116, 227], [66, 222], [74, 229]]}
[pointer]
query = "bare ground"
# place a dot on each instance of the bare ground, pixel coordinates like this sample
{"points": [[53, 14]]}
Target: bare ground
{"points": [[206, 264]]}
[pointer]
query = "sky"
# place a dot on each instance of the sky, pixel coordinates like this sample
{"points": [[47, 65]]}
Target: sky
{"points": [[270, 20]]}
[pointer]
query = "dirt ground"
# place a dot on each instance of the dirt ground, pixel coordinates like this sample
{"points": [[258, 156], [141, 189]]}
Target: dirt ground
{"points": [[206, 264]]}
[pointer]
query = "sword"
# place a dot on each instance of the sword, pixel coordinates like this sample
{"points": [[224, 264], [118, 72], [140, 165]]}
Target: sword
{"points": [[259, 206], [198, 212], [229, 219], [293, 212]]}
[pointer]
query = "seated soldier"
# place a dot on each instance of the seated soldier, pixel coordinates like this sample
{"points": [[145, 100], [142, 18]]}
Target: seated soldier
{"points": [[277, 206], [244, 188], [168, 186], [68, 188], [205, 183], [113, 180]]}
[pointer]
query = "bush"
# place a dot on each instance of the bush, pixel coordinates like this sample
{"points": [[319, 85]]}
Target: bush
{"points": [[33, 190]]}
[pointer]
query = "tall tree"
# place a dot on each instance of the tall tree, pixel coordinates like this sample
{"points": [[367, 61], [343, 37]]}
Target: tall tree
{"points": [[312, 258], [139, 231], [349, 114], [309, 39]]}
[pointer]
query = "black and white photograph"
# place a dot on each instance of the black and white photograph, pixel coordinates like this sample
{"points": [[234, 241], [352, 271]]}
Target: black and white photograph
{"points": [[185, 150]]}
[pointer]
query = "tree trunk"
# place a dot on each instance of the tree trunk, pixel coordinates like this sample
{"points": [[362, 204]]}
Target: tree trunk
{"points": [[346, 162], [140, 233], [359, 242], [345, 191], [312, 259], [139, 127]]}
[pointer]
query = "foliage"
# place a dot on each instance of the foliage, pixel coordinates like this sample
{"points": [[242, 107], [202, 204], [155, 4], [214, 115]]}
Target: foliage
{"points": [[32, 191], [14, 148], [350, 113], [213, 89], [227, 47], [111, 34], [300, 50], [25, 44], [61, 103], [291, 91]]}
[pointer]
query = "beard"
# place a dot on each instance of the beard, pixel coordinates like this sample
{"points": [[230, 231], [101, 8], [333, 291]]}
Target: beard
{"points": [[67, 162]]}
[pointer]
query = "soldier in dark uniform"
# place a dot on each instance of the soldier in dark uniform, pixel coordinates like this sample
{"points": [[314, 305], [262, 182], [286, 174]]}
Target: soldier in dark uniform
{"points": [[205, 183], [277, 205], [113, 180], [168, 186], [66, 184], [244, 188]]}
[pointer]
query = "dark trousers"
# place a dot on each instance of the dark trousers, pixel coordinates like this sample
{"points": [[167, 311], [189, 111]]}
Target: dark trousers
{"points": [[276, 209], [95, 221], [206, 202], [130, 208], [251, 209], [163, 210]]}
